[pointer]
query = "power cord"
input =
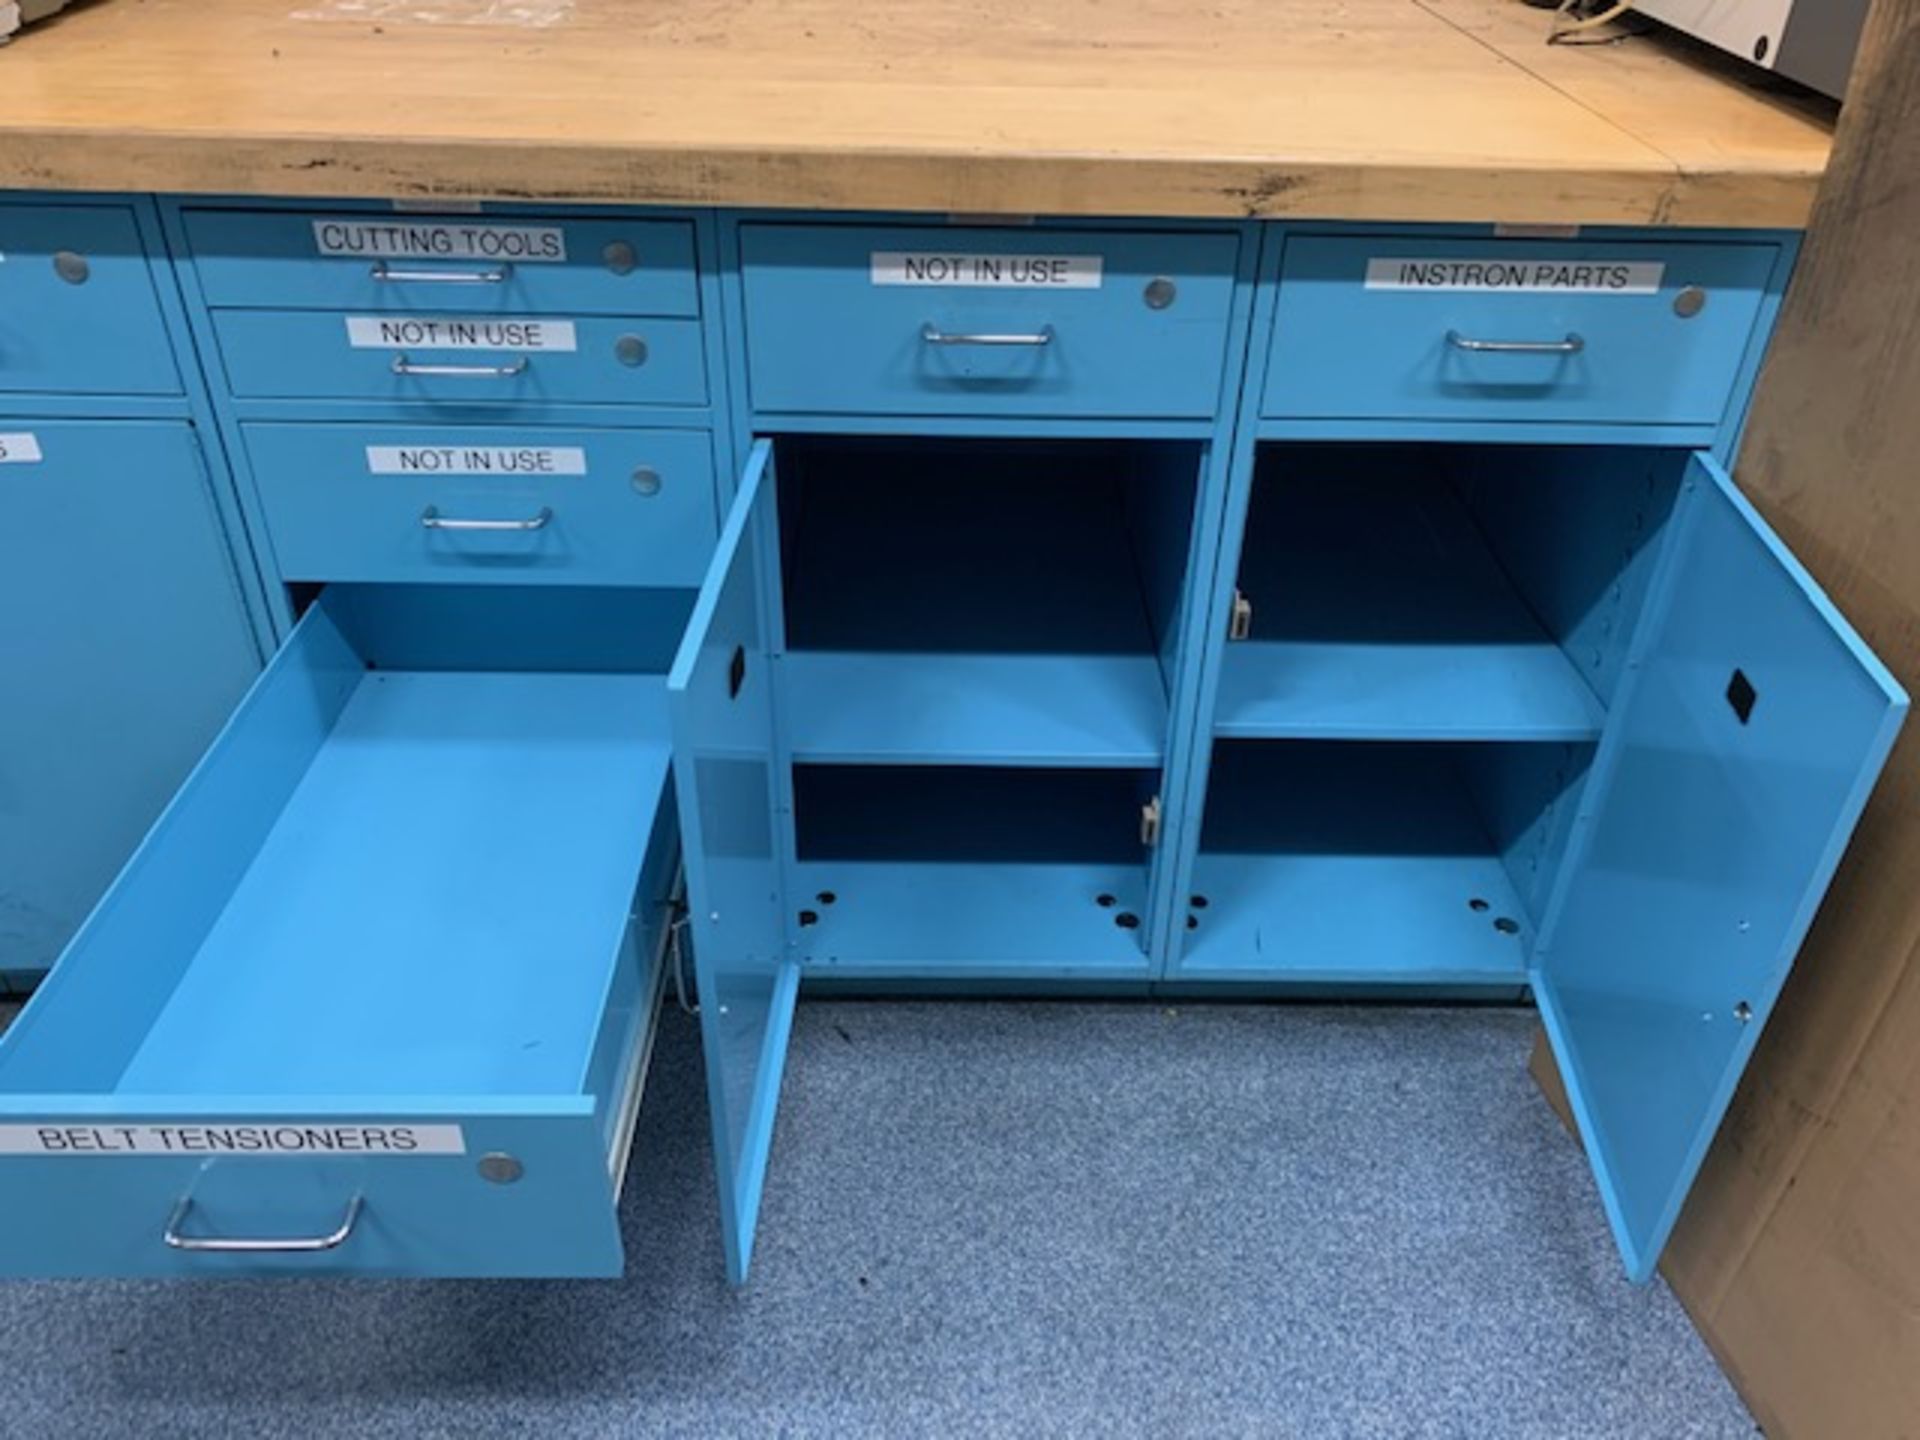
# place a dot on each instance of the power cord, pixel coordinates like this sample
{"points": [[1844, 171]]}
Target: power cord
{"points": [[1571, 27]]}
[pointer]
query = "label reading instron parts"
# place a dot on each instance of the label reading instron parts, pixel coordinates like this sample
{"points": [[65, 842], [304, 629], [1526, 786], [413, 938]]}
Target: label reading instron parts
{"points": [[1531, 276], [476, 460], [19, 449], [256, 1137], [379, 237], [1006, 272], [446, 332]]}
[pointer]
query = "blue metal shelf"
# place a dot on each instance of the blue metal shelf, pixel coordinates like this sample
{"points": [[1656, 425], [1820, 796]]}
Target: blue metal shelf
{"points": [[1335, 862], [1381, 613], [970, 872], [951, 919], [982, 603], [958, 709]]}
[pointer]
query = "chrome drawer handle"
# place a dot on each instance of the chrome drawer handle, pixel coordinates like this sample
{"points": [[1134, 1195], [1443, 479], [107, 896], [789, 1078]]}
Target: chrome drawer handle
{"points": [[403, 366], [222, 1245], [499, 275], [1572, 345], [933, 335], [432, 519]]}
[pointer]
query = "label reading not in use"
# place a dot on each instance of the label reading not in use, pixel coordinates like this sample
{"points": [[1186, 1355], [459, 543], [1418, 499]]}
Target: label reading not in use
{"points": [[253, 1137], [19, 449], [1007, 272], [446, 332], [1527, 276], [476, 460]]}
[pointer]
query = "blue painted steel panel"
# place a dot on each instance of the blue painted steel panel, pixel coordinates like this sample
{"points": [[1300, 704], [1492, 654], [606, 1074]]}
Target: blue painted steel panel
{"points": [[620, 507], [721, 690], [78, 311], [472, 264], [982, 602], [822, 336], [305, 354], [124, 642], [1748, 732], [384, 898], [943, 871], [893, 707], [1342, 348], [1357, 862], [1379, 612]]}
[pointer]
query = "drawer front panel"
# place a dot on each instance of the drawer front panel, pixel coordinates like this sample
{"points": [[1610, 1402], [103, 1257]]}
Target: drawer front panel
{"points": [[78, 313], [96, 1211], [955, 321], [272, 354], [1568, 331], [471, 264], [408, 503]]}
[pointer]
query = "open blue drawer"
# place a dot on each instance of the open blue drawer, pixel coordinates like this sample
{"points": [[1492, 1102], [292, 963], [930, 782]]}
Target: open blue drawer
{"points": [[376, 994]]}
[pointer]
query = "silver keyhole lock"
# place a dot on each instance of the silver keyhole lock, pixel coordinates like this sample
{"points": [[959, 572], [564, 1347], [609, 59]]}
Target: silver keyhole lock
{"points": [[1690, 302], [1160, 293], [630, 350], [500, 1168], [71, 268], [619, 257], [646, 480]]}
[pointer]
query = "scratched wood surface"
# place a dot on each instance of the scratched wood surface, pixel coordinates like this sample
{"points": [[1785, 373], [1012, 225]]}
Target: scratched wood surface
{"points": [[1361, 109]]}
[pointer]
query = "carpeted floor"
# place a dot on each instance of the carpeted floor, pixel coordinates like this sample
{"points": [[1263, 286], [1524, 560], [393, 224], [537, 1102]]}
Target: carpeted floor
{"points": [[1023, 1219]]}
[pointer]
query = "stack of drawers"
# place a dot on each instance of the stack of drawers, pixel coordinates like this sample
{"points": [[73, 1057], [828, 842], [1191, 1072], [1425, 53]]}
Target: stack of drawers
{"points": [[497, 400]]}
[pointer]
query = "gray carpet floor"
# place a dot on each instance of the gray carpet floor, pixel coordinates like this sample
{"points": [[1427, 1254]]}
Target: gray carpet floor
{"points": [[1023, 1219]]}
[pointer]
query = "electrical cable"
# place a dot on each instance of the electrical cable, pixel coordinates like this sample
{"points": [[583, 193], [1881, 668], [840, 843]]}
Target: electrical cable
{"points": [[1564, 29]]}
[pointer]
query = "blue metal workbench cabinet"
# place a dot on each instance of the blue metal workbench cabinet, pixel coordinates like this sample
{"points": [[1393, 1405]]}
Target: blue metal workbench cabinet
{"points": [[1120, 607]]}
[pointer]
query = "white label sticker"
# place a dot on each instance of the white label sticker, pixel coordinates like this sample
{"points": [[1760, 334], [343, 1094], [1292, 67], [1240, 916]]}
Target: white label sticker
{"points": [[292, 1137], [1007, 272], [378, 236], [427, 332], [1585, 277], [476, 460], [19, 449]]}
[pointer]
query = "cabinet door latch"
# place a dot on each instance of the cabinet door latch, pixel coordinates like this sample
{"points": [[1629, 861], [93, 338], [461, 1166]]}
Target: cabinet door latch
{"points": [[1150, 822], [1240, 623]]}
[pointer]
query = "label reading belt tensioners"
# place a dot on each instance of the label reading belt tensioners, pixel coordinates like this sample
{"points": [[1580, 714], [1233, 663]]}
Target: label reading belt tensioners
{"points": [[292, 1137]]}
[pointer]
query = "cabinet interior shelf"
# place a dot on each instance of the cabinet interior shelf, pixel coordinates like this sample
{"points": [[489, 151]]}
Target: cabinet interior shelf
{"points": [[954, 871], [1337, 862], [956, 602], [1380, 611]]}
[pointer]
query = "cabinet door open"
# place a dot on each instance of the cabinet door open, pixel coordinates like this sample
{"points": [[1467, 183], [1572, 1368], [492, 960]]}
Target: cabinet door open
{"points": [[1749, 729], [721, 693]]}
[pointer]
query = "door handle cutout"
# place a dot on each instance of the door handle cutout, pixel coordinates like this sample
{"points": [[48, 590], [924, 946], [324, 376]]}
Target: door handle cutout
{"points": [[736, 671], [1742, 696]]}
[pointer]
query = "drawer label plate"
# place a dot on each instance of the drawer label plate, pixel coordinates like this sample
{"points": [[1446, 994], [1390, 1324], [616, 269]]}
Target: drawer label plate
{"points": [[19, 449], [1528, 276], [376, 236], [476, 460], [1004, 272], [447, 332], [292, 1137]]}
